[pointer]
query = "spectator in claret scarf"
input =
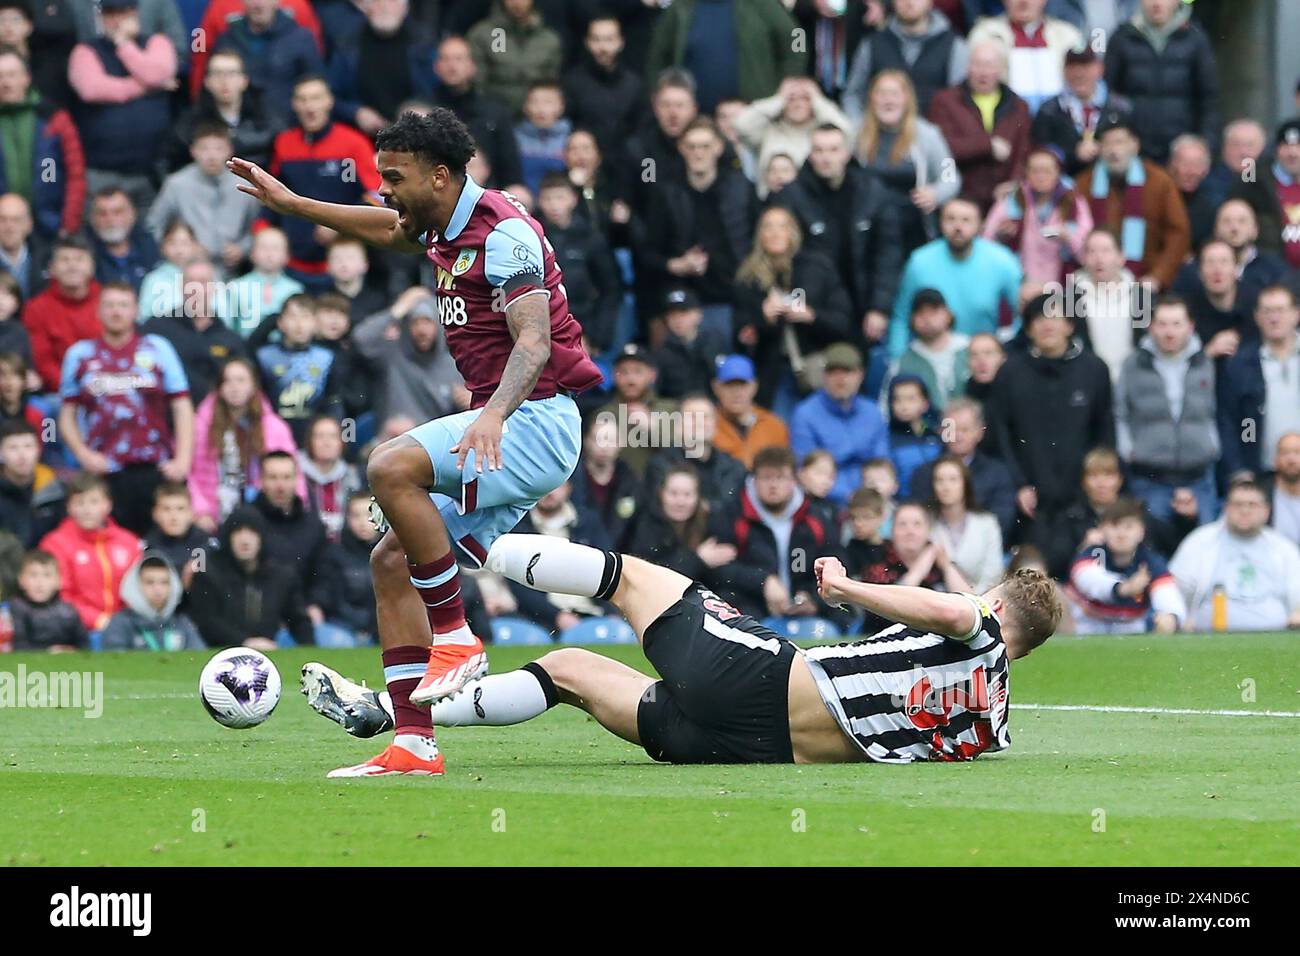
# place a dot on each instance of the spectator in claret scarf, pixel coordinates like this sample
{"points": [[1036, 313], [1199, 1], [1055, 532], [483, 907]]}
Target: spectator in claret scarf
{"points": [[1137, 201]]}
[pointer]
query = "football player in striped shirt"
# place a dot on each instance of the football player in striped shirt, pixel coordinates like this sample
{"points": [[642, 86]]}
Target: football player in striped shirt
{"points": [[933, 686]]}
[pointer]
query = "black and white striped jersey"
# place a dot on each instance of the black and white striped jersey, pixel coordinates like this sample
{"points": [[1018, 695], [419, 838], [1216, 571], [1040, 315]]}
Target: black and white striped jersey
{"points": [[906, 694]]}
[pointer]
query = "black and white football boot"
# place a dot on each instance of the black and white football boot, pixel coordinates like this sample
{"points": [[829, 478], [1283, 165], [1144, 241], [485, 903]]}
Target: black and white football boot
{"points": [[358, 709]]}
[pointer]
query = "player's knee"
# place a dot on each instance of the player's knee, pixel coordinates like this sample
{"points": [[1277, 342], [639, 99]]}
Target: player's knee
{"points": [[567, 667], [392, 464]]}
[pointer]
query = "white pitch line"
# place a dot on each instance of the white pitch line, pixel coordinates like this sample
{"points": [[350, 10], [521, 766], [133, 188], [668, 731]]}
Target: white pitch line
{"points": [[1176, 711], [1068, 708]]}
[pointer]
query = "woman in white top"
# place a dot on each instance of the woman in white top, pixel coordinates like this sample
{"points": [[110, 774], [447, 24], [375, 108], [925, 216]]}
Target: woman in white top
{"points": [[971, 537]]}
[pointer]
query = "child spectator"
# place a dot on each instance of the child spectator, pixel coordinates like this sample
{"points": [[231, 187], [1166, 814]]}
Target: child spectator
{"points": [[1121, 586], [817, 476], [244, 597], [296, 373], [937, 355], [162, 290], [42, 620], [880, 476], [262, 291], [233, 427], [350, 601], [93, 552], [31, 496], [151, 592], [331, 481], [348, 265], [351, 371], [14, 404], [541, 133], [866, 545], [174, 534], [913, 440]]}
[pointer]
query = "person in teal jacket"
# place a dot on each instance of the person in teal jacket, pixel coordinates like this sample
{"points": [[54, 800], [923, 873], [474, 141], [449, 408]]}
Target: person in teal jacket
{"points": [[976, 277]]}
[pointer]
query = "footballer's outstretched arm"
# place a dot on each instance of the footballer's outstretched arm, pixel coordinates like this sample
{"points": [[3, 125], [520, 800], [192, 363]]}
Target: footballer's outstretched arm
{"points": [[949, 614], [373, 225]]}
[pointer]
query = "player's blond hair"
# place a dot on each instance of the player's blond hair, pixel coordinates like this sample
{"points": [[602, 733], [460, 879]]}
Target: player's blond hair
{"points": [[1033, 600]]}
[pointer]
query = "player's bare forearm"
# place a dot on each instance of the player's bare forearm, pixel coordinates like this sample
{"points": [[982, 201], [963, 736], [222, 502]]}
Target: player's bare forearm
{"points": [[949, 614], [529, 320], [373, 225]]}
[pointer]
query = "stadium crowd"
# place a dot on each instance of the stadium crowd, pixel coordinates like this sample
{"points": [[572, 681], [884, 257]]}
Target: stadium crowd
{"points": [[940, 286]]}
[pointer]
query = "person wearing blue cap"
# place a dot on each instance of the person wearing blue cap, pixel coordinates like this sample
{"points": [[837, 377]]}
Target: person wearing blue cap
{"points": [[744, 428]]}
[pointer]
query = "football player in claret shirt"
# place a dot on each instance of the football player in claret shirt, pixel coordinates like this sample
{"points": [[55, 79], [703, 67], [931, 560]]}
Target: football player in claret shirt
{"points": [[451, 486]]}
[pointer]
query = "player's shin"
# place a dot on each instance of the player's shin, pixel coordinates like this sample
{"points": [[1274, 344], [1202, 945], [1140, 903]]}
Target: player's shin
{"points": [[552, 564], [499, 699], [438, 583]]}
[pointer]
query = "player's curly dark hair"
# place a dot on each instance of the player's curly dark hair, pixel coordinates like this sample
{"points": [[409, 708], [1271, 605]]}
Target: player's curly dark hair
{"points": [[439, 139]]}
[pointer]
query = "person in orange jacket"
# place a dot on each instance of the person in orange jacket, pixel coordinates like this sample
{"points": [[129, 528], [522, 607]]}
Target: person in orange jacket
{"points": [[93, 552]]}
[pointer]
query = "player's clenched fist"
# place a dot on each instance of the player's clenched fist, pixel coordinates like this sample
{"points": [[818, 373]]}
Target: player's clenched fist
{"points": [[263, 187], [830, 574]]}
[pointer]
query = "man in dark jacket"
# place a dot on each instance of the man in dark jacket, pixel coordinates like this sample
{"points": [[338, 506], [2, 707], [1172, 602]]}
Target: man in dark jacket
{"points": [[1069, 120], [963, 432], [688, 357], [601, 94], [37, 136], [1051, 403], [295, 536], [244, 596], [721, 476], [276, 50], [777, 535], [201, 340], [848, 217], [124, 249], [1260, 384], [1274, 194], [365, 68], [488, 118], [556, 515], [654, 145], [1164, 63], [698, 230], [591, 276]]}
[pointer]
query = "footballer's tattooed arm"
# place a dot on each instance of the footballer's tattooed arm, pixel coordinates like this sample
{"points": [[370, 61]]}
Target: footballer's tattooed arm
{"points": [[529, 320]]}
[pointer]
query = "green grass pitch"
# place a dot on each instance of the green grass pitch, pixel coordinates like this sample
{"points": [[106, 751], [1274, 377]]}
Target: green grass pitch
{"points": [[155, 781]]}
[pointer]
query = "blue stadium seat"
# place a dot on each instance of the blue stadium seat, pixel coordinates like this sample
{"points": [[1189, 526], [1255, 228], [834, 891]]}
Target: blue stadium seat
{"points": [[803, 628], [519, 632], [600, 630]]}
